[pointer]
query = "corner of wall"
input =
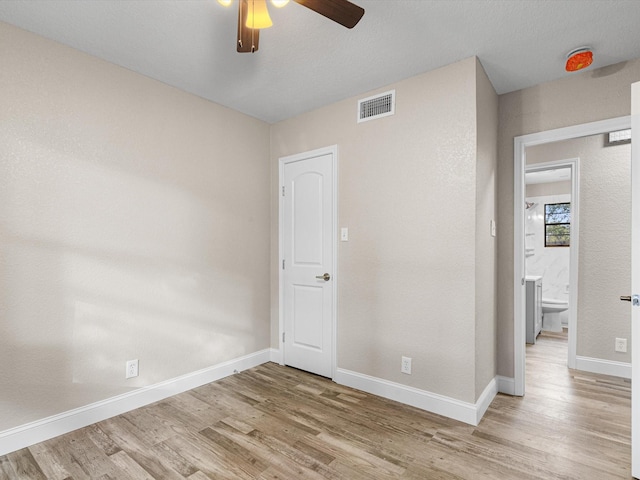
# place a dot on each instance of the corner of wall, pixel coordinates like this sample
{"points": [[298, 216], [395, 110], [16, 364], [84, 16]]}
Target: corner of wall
{"points": [[485, 243]]}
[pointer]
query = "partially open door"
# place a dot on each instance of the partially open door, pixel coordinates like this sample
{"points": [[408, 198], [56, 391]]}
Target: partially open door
{"points": [[635, 280]]}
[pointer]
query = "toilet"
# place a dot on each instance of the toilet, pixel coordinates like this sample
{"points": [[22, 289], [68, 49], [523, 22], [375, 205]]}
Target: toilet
{"points": [[551, 309]]}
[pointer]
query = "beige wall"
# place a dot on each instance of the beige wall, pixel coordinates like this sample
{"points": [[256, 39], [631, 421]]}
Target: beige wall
{"points": [[546, 189], [585, 97], [604, 247], [407, 192], [134, 223]]}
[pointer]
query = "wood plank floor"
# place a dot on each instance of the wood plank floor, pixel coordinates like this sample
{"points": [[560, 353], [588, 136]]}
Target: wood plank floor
{"points": [[274, 422]]}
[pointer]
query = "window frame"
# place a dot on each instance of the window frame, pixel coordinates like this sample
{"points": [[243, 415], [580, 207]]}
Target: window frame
{"points": [[553, 224]]}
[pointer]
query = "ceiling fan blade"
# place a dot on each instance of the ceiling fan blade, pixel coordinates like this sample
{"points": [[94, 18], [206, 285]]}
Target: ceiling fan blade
{"points": [[247, 37], [340, 11]]}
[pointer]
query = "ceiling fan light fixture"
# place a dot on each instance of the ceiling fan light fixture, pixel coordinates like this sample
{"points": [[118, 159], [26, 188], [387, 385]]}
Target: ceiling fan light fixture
{"points": [[578, 59], [253, 15], [279, 3], [258, 15]]}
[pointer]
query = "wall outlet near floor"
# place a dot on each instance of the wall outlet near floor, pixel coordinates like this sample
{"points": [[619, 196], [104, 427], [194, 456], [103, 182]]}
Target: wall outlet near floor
{"points": [[132, 368], [405, 367], [621, 345]]}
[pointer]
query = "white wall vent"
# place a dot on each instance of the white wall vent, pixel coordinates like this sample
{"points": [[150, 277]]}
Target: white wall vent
{"points": [[378, 106], [618, 138]]}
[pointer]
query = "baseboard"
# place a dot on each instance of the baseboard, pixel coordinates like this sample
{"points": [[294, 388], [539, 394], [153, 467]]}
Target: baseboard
{"points": [[605, 367], [506, 385], [432, 402], [485, 399], [41, 430], [275, 356]]}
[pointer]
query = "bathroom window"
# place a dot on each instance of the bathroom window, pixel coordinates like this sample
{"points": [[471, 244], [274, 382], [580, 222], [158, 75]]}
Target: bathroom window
{"points": [[557, 224]]}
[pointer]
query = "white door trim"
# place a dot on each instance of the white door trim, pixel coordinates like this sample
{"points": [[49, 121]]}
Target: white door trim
{"points": [[333, 151], [519, 162], [574, 164]]}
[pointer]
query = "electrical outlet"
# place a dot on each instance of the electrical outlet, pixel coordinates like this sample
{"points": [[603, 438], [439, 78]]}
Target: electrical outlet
{"points": [[132, 368], [405, 367], [621, 345]]}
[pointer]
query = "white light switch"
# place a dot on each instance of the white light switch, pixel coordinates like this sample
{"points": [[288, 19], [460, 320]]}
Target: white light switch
{"points": [[344, 234], [493, 228]]}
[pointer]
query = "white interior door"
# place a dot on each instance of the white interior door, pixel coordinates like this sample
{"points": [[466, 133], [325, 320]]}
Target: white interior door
{"points": [[308, 268], [635, 279]]}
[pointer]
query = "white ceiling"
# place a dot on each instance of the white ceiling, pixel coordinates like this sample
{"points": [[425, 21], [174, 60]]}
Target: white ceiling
{"points": [[306, 61]]}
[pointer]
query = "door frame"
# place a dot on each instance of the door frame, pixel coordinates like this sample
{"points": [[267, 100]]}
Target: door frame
{"points": [[282, 161], [520, 144]]}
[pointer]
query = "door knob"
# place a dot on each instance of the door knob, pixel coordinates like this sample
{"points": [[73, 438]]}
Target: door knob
{"points": [[625, 298], [326, 277]]}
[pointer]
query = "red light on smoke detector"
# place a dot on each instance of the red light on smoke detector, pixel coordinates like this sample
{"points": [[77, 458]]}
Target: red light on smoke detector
{"points": [[579, 59]]}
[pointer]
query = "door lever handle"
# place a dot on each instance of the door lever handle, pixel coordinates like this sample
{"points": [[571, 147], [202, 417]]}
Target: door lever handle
{"points": [[634, 299], [326, 277]]}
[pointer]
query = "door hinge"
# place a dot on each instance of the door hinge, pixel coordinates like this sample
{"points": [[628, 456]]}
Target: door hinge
{"points": [[283, 190], [283, 264], [283, 333]]}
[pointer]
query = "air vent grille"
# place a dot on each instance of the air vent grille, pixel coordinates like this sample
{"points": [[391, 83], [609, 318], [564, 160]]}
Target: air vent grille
{"points": [[618, 138], [377, 106]]}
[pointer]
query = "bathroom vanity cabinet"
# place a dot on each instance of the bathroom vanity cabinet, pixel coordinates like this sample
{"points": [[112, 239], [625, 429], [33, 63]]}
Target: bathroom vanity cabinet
{"points": [[534, 308]]}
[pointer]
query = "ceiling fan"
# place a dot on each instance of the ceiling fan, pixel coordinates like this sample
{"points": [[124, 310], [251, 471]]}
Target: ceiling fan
{"points": [[253, 16]]}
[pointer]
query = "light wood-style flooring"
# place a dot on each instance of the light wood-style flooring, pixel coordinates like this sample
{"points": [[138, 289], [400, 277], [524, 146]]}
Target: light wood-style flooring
{"points": [[274, 422]]}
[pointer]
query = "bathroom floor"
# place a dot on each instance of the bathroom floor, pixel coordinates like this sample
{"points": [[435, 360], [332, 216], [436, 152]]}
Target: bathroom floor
{"points": [[563, 335]]}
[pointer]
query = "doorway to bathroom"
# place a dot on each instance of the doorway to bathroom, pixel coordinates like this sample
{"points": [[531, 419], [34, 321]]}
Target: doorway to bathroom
{"points": [[552, 209], [603, 185]]}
